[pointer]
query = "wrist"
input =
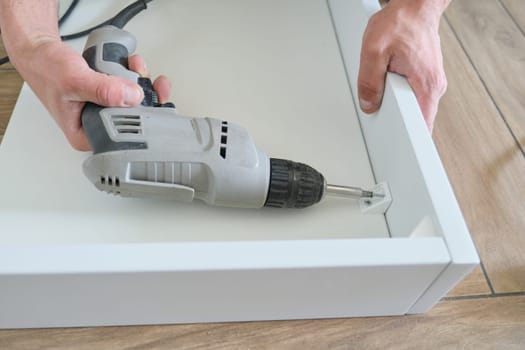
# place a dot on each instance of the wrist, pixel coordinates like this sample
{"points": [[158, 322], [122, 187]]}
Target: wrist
{"points": [[28, 25]]}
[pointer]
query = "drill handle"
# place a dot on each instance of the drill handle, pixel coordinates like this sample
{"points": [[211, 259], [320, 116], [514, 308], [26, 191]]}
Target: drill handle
{"points": [[107, 50]]}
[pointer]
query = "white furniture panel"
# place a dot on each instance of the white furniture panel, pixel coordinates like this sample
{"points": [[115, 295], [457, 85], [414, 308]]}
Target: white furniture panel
{"points": [[286, 70]]}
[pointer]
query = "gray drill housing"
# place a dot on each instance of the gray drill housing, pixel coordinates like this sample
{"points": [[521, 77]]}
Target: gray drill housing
{"points": [[179, 158]]}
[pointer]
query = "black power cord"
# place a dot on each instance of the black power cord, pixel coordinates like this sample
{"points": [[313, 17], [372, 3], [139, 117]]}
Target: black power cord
{"points": [[84, 32], [119, 20], [68, 12], [125, 15], [62, 19]]}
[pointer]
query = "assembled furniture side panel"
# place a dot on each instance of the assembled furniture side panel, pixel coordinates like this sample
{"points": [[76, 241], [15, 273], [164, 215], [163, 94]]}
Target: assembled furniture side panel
{"points": [[89, 285], [61, 300], [402, 153]]}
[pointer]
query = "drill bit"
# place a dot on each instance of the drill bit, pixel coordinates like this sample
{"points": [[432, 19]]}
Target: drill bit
{"points": [[348, 191]]}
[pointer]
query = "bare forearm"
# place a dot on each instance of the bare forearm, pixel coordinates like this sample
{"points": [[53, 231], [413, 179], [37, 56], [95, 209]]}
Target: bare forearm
{"points": [[26, 24]]}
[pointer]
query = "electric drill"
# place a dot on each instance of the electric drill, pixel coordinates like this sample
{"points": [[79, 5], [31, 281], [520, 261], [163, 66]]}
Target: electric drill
{"points": [[152, 151]]}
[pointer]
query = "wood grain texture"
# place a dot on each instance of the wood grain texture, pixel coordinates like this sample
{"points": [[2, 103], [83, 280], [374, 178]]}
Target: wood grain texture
{"points": [[10, 86], [3, 54], [474, 284], [485, 167], [516, 8], [495, 323], [496, 47]]}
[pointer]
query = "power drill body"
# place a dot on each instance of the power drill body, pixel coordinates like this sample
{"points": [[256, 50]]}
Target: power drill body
{"points": [[152, 151]]}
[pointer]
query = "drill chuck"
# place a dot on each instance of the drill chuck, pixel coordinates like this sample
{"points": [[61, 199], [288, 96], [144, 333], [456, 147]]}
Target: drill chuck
{"points": [[293, 185]]}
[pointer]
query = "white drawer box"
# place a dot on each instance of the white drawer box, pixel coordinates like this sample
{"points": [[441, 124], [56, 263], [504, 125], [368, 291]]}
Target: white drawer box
{"points": [[287, 71]]}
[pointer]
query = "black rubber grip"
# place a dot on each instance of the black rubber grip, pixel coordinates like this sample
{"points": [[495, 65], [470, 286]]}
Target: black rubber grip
{"points": [[150, 96], [90, 55], [115, 52], [97, 135], [111, 52], [293, 185]]}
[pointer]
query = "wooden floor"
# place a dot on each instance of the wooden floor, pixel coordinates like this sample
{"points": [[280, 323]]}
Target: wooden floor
{"points": [[480, 135]]}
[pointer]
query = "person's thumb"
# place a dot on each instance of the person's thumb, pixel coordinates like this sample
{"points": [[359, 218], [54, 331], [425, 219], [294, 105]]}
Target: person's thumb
{"points": [[109, 91], [372, 72]]}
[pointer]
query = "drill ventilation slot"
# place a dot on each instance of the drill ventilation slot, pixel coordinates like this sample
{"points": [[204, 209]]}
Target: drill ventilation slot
{"points": [[224, 139], [110, 181], [127, 124]]}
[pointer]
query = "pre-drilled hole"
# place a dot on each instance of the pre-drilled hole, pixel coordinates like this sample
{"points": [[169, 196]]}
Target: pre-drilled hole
{"points": [[223, 152], [224, 139]]}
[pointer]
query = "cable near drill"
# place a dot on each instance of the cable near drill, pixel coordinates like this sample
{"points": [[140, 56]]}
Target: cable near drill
{"points": [[119, 20]]}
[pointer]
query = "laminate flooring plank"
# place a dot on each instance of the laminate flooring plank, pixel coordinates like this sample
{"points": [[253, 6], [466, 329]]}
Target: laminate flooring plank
{"points": [[487, 323], [485, 167], [3, 54], [496, 46], [516, 8], [474, 284], [2, 48], [10, 85]]}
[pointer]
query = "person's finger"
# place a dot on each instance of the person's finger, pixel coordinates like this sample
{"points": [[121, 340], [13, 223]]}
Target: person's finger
{"points": [[137, 64], [77, 139], [429, 107], [162, 85], [107, 90], [428, 88], [371, 79], [71, 125]]}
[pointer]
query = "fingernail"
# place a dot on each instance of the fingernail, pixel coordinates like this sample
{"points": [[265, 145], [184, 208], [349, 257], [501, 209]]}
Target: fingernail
{"points": [[144, 71], [366, 105], [132, 96]]}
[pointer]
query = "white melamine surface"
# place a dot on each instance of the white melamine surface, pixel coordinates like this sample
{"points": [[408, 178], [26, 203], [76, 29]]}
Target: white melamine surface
{"points": [[272, 66], [275, 67]]}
